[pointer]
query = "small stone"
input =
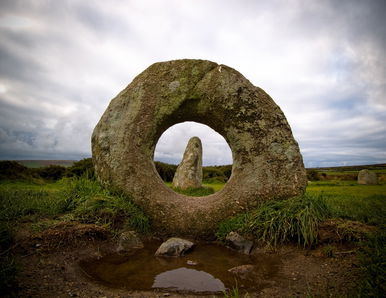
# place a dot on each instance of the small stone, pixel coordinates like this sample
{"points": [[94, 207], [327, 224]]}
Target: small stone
{"points": [[174, 247], [192, 263], [239, 243], [367, 177], [129, 240], [189, 171]]}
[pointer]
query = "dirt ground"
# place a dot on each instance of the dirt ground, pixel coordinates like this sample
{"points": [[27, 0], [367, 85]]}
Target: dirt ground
{"points": [[49, 267]]}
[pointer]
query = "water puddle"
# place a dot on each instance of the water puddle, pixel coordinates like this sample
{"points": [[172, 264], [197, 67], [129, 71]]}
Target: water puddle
{"points": [[204, 270]]}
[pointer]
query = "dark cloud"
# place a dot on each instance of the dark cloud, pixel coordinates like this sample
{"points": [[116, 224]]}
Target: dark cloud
{"points": [[322, 61]]}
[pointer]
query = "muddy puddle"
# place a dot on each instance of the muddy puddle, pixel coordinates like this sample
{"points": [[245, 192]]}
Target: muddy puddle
{"points": [[204, 270]]}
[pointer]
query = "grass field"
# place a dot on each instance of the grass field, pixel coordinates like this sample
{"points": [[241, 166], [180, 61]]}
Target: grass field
{"points": [[349, 200], [80, 199]]}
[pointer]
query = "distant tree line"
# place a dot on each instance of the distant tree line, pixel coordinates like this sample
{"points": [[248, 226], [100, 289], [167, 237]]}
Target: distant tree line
{"points": [[12, 170], [211, 174]]}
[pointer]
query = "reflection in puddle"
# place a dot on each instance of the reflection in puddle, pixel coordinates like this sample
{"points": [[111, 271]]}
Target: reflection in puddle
{"points": [[204, 270], [190, 280]]}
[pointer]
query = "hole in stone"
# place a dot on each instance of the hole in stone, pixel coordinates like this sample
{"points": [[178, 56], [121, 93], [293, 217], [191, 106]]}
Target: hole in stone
{"points": [[216, 159]]}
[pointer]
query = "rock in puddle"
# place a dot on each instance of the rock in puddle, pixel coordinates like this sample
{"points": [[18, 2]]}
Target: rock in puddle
{"points": [[238, 242], [174, 247], [191, 263], [127, 241]]}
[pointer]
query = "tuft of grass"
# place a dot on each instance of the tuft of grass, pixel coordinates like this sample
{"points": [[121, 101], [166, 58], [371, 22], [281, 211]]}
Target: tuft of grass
{"points": [[91, 203], [276, 222], [195, 192], [233, 293], [79, 198]]}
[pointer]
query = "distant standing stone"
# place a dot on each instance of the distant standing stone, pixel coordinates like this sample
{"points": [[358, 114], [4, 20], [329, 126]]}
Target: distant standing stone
{"points": [[189, 171], [367, 177], [174, 247]]}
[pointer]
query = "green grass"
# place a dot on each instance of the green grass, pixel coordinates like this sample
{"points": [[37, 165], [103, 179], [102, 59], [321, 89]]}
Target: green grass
{"points": [[20, 199], [373, 265], [216, 186], [205, 190], [349, 200], [89, 202], [80, 199], [195, 192], [276, 222]]}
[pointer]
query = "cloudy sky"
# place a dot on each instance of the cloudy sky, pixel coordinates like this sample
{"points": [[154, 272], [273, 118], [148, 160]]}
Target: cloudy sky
{"points": [[323, 62]]}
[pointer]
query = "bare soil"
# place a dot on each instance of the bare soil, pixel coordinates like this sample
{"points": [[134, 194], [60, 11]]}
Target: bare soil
{"points": [[48, 263]]}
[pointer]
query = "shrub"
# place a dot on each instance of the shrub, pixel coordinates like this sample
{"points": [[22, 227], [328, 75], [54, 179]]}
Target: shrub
{"points": [[166, 171], [214, 175], [52, 172], [211, 174], [12, 170], [81, 168], [312, 175]]}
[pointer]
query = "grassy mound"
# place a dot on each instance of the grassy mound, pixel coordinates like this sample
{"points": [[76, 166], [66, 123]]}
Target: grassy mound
{"points": [[276, 222]]}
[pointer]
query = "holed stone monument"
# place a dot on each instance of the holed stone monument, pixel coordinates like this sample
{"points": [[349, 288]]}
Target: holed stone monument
{"points": [[267, 164]]}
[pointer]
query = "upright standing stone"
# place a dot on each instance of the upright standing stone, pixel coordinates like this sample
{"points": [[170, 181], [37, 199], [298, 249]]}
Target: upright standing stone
{"points": [[189, 171], [367, 177]]}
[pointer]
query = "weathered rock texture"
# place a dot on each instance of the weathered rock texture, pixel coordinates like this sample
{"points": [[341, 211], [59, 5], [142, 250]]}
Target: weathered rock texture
{"points": [[367, 177], [189, 171], [267, 163], [174, 247], [238, 242]]}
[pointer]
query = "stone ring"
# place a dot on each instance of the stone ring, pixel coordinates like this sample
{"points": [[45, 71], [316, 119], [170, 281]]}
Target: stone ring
{"points": [[267, 163]]}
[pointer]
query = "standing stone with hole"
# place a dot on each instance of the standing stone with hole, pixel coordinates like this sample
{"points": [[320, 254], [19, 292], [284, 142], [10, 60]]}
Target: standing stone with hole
{"points": [[267, 164], [189, 171]]}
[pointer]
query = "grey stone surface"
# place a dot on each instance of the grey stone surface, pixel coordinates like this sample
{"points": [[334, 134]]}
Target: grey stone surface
{"points": [[267, 163], [128, 240], [189, 171], [367, 177], [239, 243], [174, 247]]}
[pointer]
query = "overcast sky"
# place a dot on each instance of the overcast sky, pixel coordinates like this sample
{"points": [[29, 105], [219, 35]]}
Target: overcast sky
{"points": [[323, 62]]}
